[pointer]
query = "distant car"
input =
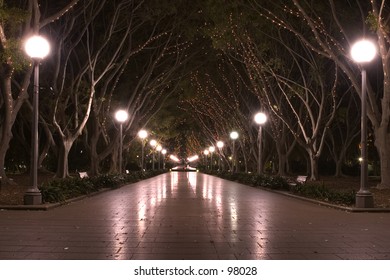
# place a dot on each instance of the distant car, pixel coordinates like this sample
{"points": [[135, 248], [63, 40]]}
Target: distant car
{"points": [[185, 168]]}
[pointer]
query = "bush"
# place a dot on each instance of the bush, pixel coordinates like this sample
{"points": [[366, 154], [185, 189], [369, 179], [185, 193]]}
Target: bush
{"points": [[280, 183], [325, 194], [59, 190], [271, 182], [62, 189]]}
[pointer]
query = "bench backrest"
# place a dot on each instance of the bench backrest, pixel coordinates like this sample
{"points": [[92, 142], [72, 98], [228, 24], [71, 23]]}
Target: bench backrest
{"points": [[301, 179], [83, 174]]}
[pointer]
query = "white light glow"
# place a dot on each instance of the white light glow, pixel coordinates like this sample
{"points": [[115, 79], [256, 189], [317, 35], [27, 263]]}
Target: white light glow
{"points": [[220, 144], [193, 158], [174, 158], [121, 116], [153, 143], [37, 47], [260, 118], [142, 134], [212, 149], [234, 135], [363, 51]]}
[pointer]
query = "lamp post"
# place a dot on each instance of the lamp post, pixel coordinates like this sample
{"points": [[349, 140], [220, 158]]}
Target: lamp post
{"points": [[142, 134], [363, 52], [37, 48], [260, 119], [164, 152], [159, 149], [211, 150], [121, 116], [234, 136], [153, 143], [220, 145], [206, 153]]}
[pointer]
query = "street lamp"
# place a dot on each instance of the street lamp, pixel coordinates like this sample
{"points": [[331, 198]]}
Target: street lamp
{"points": [[220, 145], [206, 153], [363, 52], [153, 143], [121, 116], [37, 48], [211, 150], [142, 134], [260, 119], [159, 149], [164, 152], [234, 136]]}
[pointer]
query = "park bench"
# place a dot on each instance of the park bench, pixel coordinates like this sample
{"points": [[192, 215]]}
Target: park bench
{"points": [[83, 175], [301, 179]]}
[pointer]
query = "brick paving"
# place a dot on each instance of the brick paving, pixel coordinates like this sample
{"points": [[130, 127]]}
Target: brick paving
{"points": [[193, 216]]}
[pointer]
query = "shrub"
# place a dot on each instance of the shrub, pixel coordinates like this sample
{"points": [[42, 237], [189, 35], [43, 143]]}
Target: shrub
{"points": [[325, 194], [272, 182], [280, 183], [58, 190]]}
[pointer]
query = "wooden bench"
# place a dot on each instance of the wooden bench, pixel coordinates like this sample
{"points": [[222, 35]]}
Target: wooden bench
{"points": [[83, 175]]}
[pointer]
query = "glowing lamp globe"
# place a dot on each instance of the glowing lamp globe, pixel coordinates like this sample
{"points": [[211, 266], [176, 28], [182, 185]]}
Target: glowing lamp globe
{"points": [[121, 116], [153, 143], [142, 134], [37, 47], [260, 118], [363, 51], [234, 135]]}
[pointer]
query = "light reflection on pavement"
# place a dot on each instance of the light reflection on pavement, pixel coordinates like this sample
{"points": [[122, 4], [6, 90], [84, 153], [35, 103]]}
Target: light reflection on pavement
{"points": [[181, 215]]}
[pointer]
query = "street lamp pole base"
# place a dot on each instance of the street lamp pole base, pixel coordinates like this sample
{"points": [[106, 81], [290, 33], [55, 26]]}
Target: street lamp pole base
{"points": [[364, 200], [32, 197]]}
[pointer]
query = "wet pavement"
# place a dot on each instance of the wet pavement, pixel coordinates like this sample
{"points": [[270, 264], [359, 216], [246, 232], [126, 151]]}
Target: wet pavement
{"points": [[191, 215]]}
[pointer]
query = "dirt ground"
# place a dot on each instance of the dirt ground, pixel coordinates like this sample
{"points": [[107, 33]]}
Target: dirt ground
{"points": [[13, 194]]}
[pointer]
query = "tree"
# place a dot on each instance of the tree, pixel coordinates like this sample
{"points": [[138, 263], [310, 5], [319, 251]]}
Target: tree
{"points": [[90, 63], [343, 132], [18, 20], [152, 72], [331, 34]]}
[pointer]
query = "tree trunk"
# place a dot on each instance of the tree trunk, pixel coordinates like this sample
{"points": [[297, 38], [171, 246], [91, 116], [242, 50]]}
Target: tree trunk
{"points": [[313, 166], [339, 164], [6, 136], [3, 150], [382, 143], [94, 156], [282, 164], [10, 110], [63, 156], [114, 166], [94, 162]]}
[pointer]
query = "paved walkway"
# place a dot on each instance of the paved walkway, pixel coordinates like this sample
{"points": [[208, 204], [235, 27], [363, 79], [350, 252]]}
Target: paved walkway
{"points": [[193, 216]]}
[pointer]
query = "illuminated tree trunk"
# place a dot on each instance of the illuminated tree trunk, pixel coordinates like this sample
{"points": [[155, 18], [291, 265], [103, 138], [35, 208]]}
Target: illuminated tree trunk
{"points": [[63, 155]]}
